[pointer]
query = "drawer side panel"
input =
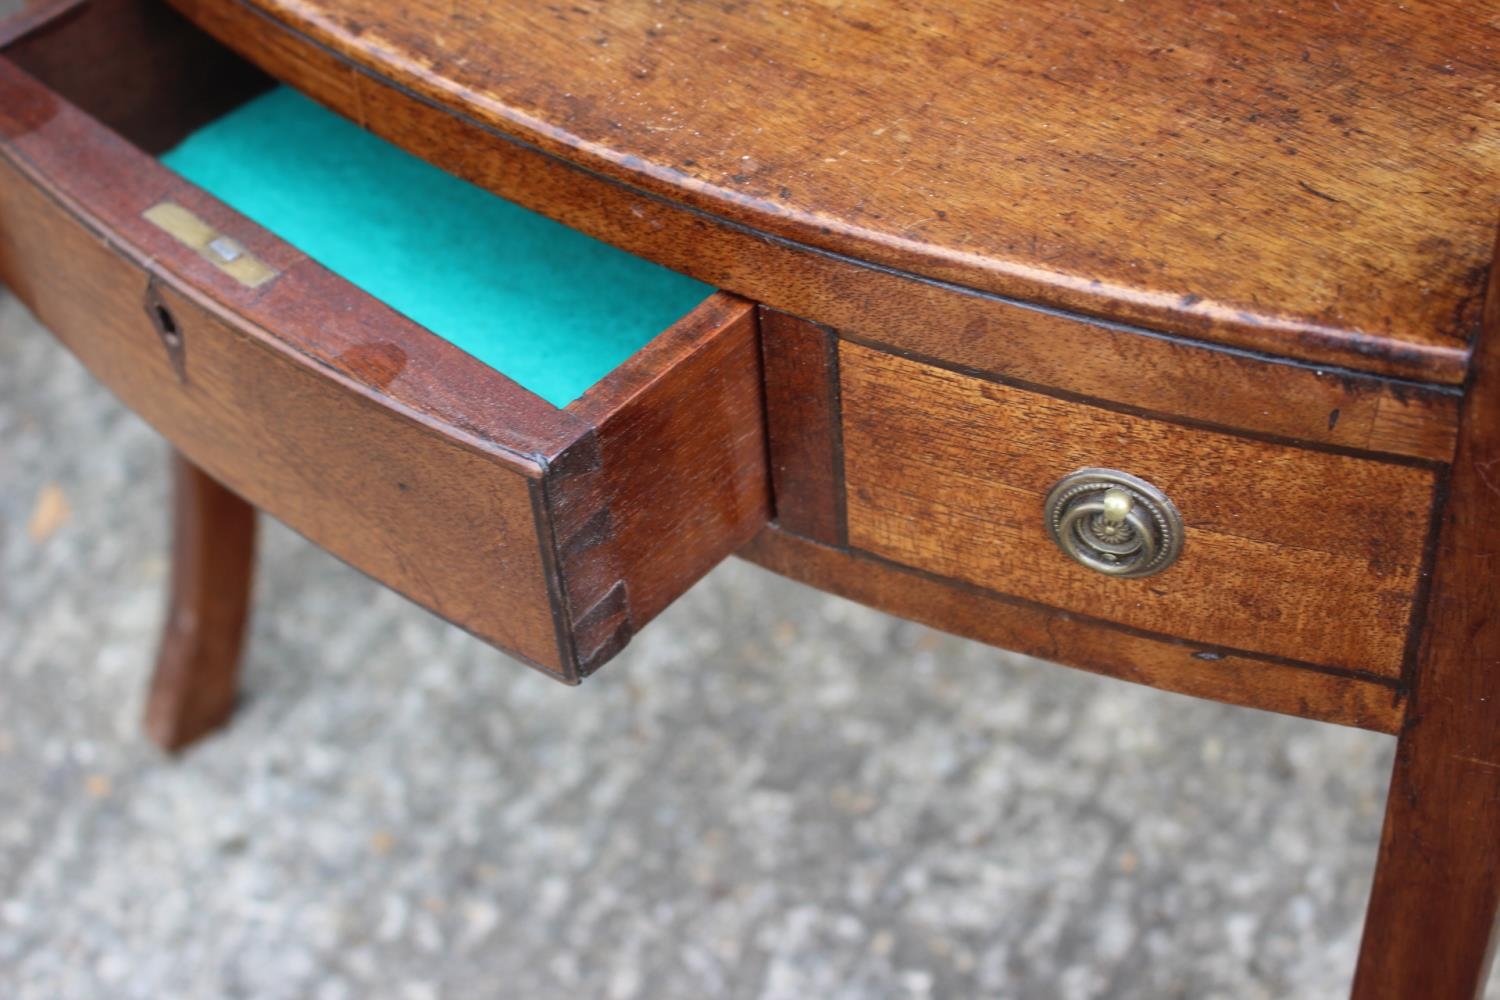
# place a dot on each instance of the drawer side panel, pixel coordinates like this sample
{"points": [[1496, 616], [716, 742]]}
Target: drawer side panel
{"points": [[681, 473]]}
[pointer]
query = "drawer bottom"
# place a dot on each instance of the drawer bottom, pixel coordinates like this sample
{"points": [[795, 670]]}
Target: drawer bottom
{"points": [[549, 307]]}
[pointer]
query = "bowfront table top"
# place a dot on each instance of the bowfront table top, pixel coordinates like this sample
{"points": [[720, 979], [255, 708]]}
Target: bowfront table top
{"points": [[1309, 180]]}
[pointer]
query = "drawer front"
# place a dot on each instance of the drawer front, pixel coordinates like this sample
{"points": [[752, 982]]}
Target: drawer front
{"points": [[367, 483], [552, 533], [1305, 555]]}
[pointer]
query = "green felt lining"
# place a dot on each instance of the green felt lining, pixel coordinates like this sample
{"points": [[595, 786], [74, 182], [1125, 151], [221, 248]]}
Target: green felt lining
{"points": [[551, 308]]}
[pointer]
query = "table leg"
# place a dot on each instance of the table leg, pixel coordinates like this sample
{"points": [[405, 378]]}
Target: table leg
{"points": [[1430, 927], [1431, 922], [213, 556]]}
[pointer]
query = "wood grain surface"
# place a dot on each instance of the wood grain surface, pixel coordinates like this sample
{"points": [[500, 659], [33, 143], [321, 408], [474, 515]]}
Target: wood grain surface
{"points": [[1108, 361], [196, 681], [802, 426], [1204, 671], [1313, 182], [682, 478], [1431, 928], [1307, 555], [1187, 382]]}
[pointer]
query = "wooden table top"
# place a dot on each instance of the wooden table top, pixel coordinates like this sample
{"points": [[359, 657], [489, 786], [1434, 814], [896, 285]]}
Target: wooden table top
{"points": [[1317, 181]]}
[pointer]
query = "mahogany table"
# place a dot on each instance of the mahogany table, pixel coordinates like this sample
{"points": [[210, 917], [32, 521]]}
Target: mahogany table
{"points": [[1156, 339]]}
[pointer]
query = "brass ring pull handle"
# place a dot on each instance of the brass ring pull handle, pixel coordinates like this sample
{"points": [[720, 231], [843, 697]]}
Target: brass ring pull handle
{"points": [[1114, 522]]}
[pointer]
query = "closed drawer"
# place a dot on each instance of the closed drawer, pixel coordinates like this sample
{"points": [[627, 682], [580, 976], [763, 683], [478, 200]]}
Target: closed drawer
{"points": [[1306, 555], [552, 529]]}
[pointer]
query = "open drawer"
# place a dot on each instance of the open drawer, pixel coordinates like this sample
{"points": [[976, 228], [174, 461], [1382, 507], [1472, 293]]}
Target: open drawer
{"points": [[552, 531]]}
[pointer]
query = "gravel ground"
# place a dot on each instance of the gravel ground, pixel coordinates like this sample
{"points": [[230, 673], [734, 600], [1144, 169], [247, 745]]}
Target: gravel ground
{"points": [[772, 794]]}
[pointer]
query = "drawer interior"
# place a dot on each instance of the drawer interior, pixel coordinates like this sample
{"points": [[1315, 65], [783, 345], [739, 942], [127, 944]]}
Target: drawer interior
{"points": [[553, 309]]}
